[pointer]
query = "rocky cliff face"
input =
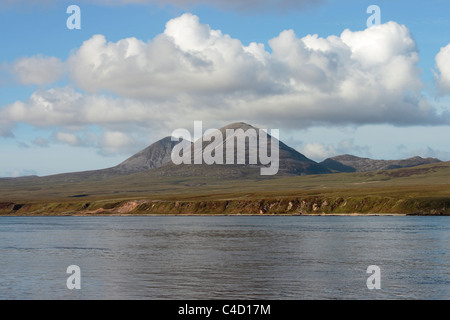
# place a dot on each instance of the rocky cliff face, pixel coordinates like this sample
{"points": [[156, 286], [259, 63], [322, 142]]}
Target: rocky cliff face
{"points": [[283, 206]]}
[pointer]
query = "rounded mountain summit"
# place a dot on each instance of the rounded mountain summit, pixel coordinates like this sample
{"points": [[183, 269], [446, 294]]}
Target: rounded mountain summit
{"points": [[157, 157]]}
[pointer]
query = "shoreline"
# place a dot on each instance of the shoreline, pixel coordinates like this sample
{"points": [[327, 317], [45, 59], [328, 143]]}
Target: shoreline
{"points": [[223, 215], [299, 206]]}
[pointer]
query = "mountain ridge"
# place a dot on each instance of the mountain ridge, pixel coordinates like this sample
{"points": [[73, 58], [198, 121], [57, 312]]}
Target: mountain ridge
{"points": [[291, 162], [157, 158], [351, 163]]}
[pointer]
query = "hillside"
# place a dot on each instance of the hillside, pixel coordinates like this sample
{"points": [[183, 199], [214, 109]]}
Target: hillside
{"points": [[149, 183], [157, 157], [419, 190], [349, 163], [291, 162]]}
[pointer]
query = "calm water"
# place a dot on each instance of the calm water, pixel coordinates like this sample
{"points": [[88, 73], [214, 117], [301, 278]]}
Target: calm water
{"points": [[225, 257]]}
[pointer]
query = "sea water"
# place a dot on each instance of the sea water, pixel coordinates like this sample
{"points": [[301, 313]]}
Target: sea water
{"points": [[225, 257]]}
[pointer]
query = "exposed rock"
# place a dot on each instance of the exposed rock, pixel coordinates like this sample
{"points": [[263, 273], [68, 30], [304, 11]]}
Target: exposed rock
{"points": [[154, 156], [312, 205]]}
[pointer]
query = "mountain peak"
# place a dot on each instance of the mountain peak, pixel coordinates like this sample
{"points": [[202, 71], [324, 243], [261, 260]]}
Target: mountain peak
{"points": [[290, 161], [158, 156], [238, 125]]}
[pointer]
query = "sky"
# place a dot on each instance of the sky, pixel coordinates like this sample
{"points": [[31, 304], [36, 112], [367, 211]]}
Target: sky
{"points": [[74, 99]]}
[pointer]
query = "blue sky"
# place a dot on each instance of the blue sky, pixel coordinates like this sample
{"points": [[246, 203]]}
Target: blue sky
{"points": [[381, 93]]}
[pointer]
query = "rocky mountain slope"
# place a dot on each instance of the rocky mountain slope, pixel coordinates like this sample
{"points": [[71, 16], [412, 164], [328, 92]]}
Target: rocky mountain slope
{"points": [[157, 159], [154, 156], [291, 162]]}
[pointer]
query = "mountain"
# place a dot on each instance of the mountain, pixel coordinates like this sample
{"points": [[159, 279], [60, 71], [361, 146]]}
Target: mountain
{"points": [[291, 162], [156, 160], [150, 183], [349, 163], [154, 156]]}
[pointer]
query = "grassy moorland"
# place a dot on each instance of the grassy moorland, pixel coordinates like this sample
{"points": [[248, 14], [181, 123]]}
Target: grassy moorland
{"points": [[417, 190]]}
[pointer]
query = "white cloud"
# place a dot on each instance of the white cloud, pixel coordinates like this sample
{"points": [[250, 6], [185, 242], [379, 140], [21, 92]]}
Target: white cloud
{"points": [[187, 58], [368, 76], [68, 138], [114, 142], [67, 107], [443, 68], [319, 151], [193, 72], [38, 70], [125, 124], [427, 152]]}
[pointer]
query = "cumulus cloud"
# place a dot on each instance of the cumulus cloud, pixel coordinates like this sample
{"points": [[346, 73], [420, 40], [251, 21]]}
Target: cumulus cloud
{"points": [[107, 142], [193, 72], [38, 70], [443, 69], [319, 151], [68, 138], [70, 108], [124, 123], [368, 76], [187, 58], [113, 142]]}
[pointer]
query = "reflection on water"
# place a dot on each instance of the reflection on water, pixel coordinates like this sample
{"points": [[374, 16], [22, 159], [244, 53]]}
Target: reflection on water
{"points": [[235, 257]]}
